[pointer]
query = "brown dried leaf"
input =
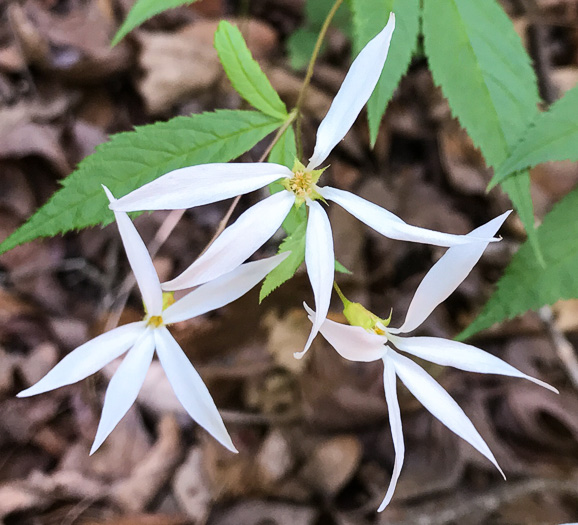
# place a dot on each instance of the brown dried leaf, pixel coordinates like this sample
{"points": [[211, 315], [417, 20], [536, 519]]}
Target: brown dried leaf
{"points": [[191, 487], [183, 63], [332, 464], [76, 46], [153, 470], [264, 512]]}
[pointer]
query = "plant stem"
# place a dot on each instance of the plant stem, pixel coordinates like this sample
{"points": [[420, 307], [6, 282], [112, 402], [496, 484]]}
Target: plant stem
{"points": [[344, 299], [309, 72]]}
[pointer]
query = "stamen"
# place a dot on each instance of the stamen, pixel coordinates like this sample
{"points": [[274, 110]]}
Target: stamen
{"points": [[155, 321]]}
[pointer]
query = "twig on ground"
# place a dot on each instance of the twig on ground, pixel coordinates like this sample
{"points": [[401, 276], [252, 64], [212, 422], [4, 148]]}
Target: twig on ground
{"points": [[566, 352]]}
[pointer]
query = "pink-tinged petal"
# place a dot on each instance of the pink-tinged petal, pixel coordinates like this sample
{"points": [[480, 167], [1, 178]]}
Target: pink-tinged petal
{"points": [[202, 184], [140, 261], [221, 291], [88, 358], [459, 355], [441, 405], [125, 386], [320, 262], [390, 385], [390, 225], [189, 388], [355, 91], [351, 342], [447, 274], [237, 242]]}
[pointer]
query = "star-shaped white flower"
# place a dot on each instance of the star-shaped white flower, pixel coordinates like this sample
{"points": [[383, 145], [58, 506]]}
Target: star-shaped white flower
{"points": [[206, 183], [371, 340], [141, 339]]}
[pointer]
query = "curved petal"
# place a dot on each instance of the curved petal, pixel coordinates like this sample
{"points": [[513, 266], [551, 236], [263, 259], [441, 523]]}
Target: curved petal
{"points": [[189, 388], [355, 91], [389, 383], [320, 262], [140, 261], [441, 405], [447, 274], [202, 184], [446, 352], [125, 386], [237, 242], [88, 358], [351, 342], [221, 291], [389, 224]]}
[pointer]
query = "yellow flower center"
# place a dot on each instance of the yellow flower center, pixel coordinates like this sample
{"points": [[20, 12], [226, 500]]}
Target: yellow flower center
{"points": [[301, 184], [155, 321]]}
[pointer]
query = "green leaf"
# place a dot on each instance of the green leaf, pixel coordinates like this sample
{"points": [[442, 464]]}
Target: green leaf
{"points": [[301, 43], [141, 11], [370, 17], [134, 158], [285, 153], [518, 188], [341, 269], [244, 72], [295, 243], [553, 136], [526, 285], [478, 60]]}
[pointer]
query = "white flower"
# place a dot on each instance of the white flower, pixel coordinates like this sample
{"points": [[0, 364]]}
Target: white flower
{"points": [[203, 184], [371, 340], [141, 339]]}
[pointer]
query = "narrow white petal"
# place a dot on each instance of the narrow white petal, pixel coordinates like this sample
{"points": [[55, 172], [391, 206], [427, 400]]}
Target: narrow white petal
{"points": [[320, 262], [140, 261], [389, 383], [88, 358], [447, 274], [221, 291], [355, 91], [124, 386], [189, 388], [351, 342], [390, 225], [202, 184], [237, 242], [459, 355], [442, 406]]}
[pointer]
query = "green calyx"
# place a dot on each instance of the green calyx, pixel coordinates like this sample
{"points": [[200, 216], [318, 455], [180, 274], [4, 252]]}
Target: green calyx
{"points": [[168, 299], [303, 183], [358, 315]]}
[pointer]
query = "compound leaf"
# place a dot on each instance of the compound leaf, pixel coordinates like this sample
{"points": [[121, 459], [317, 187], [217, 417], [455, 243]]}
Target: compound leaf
{"points": [[134, 158]]}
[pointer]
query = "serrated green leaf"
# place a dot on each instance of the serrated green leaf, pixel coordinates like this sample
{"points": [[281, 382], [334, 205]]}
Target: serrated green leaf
{"points": [[478, 60], [527, 285], [553, 136], [244, 72], [141, 11], [295, 243], [369, 17], [134, 158], [518, 188]]}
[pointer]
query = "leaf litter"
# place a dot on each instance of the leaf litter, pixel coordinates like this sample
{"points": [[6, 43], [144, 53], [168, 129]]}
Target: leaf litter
{"points": [[313, 435]]}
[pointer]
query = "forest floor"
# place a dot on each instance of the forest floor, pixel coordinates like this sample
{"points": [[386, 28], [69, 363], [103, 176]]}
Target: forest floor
{"points": [[313, 435]]}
